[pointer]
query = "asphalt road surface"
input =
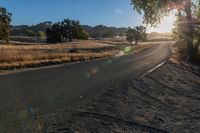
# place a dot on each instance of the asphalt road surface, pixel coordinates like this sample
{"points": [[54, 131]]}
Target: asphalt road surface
{"points": [[44, 91]]}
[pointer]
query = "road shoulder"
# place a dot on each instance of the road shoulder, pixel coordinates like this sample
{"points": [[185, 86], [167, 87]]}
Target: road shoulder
{"points": [[166, 100]]}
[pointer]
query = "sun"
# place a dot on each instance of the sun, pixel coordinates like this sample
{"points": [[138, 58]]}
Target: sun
{"points": [[166, 25]]}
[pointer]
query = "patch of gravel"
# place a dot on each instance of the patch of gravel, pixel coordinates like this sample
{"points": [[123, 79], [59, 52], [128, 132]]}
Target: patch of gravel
{"points": [[167, 100]]}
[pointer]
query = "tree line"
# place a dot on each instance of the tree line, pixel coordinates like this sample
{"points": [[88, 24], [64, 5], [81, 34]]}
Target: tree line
{"points": [[37, 30], [102, 31], [99, 31]]}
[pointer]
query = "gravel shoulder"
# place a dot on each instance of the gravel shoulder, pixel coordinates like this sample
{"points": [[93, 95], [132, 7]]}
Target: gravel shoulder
{"points": [[166, 100]]}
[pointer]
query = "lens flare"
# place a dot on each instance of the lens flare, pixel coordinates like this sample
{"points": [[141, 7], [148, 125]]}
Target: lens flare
{"points": [[166, 25], [87, 75], [128, 49], [109, 61], [94, 71]]}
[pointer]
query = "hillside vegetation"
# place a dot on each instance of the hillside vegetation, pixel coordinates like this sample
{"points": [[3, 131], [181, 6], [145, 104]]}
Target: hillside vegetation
{"points": [[99, 31]]}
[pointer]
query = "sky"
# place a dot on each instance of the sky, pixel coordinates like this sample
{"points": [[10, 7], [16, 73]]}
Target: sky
{"points": [[118, 13]]}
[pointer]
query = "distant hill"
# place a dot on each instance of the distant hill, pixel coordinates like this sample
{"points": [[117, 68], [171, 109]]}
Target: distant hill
{"points": [[102, 31], [155, 36], [99, 31], [23, 30]]}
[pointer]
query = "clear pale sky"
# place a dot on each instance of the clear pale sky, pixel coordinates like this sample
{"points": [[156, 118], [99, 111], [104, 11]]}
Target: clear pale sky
{"points": [[118, 13]]}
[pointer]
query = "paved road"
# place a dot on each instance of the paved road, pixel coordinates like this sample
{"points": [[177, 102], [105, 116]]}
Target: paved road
{"points": [[43, 91]]}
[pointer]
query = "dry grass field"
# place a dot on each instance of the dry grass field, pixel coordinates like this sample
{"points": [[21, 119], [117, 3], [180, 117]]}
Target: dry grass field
{"points": [[16, 55]]}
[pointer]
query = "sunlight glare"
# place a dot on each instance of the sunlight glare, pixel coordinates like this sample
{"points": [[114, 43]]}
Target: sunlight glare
{"points": [[166, 25]]}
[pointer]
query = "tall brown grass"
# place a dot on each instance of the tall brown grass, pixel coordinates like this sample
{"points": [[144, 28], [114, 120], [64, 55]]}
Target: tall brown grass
{"points": [[15, 58], [18, 55]]}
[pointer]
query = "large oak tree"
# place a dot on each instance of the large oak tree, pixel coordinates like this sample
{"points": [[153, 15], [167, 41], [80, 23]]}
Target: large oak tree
{"points": [[66, 30], [136, 34], [155, 10]]}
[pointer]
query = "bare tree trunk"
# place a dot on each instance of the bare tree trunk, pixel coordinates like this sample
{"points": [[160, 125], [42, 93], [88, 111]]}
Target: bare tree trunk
{"points": [[70, 38], [196, 48], [189, 30], [7, 38], [136, 41]]}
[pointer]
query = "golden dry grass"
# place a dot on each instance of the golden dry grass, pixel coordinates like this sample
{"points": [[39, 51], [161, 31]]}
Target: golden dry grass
{"points": [[59, 46], [14, 56], [10, 59]]}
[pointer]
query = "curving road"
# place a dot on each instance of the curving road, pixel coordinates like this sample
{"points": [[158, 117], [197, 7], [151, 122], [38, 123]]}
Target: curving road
{"points": [[39, 92]]}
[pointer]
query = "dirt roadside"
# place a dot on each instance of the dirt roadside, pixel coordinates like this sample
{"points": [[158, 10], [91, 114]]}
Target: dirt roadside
{"points": [[166, 100]]}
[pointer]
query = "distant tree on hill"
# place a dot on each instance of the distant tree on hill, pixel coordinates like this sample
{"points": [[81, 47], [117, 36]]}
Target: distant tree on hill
{"points": [[102, 31], [30, 33], [66, 30], [108, 34], [41, 34], [136, 34], [5, 19], [83, 35]]}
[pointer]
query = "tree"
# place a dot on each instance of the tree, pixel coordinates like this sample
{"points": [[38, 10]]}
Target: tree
{"points": [[137, 33], [54, 34], [41, 34], [5, 19], [72, 29], [155, 10], [49, 34], [30, 33], [83, 35], [130, 34], [108, 34], [65, 30]]}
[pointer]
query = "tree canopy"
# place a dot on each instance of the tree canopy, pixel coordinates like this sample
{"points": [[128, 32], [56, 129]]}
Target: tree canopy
{"points": [[155, 10], [66, 30], [5, 19], [135, 34]]}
